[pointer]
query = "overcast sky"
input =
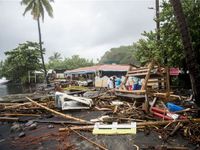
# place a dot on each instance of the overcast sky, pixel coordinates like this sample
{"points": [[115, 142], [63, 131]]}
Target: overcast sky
{"points": [[88, 28]]}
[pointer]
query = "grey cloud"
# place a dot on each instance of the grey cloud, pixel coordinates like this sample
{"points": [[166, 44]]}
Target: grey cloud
{"points": [[87, 28]]}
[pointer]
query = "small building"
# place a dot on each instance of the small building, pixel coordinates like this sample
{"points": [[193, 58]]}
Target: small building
{"points": [[97, 73], [56, 74]]}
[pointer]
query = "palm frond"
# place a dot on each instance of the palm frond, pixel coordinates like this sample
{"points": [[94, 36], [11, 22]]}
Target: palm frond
{"points": [[48, 7], [41, 10], [38, 7], [26, 2], [29, 7], [34, 11]]}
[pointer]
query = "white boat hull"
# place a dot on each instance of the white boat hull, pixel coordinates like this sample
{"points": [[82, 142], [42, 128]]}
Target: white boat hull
{"points": [[3, 81]]}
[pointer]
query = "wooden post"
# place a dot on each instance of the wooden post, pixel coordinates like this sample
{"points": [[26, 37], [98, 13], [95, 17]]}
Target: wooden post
{"points": [[147, 76], [167, 84]]}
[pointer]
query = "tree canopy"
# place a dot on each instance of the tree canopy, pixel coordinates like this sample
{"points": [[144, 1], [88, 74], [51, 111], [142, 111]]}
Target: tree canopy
{"points": [[120, 55], [24, 58], [38, 7], [170, 45], [68, 63]]}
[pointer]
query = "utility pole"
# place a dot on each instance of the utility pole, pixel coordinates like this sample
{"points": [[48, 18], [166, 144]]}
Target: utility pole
{"points": [[158, 29], [157, 20]]}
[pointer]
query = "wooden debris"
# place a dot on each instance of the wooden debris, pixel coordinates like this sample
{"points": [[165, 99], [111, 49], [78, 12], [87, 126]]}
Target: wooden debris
{"points": [[139, 124], [58, 113], [16, 114], [9, 119], [77, 128], [94, 143], [158, 123], [177, 127], [60, 122]]}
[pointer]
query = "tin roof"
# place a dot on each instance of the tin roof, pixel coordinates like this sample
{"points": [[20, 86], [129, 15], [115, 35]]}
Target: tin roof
{"points": [[104, 67]]}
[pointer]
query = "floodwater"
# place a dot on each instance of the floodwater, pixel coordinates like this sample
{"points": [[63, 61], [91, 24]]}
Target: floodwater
{"points": [[7, 89]]}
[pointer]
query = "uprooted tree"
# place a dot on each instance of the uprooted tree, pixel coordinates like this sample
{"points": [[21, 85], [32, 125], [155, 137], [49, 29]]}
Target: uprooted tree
{"points": [[190, 53]]}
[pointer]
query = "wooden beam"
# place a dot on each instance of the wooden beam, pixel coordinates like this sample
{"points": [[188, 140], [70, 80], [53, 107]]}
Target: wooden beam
{"points": [[138, 124], [167, 84], [12, 119], [16, 114], [144, 85]]}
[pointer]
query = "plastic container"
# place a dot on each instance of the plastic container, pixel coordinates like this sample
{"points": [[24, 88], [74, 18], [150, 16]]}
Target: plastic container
{"points": [[172, 107]]}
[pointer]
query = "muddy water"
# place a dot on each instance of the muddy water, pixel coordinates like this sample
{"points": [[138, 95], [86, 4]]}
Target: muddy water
{"points": [[14, 89]]}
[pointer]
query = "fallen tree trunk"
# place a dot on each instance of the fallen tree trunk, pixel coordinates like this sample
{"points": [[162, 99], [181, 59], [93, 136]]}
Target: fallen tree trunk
{"points": [[58, 113]]}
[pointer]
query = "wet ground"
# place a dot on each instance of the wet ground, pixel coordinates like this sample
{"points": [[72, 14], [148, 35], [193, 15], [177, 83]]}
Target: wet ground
{"points": [[45, 138]]}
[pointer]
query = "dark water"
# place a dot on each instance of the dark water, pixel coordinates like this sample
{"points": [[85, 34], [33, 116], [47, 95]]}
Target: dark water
{"points": [[15, 89]]}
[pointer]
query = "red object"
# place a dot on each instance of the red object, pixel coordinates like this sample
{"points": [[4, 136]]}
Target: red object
{"points": [[174, 71], [162, 116], [155, 109]]}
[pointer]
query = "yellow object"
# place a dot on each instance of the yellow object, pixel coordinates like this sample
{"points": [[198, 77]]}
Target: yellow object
{"points": [[114, 128]]}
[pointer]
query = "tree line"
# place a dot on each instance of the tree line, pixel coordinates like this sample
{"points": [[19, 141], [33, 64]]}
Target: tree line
{"points": [[27, 58]]}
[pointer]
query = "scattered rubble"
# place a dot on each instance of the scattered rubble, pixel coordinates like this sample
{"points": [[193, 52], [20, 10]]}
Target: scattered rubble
{"points": [[117, 111]]}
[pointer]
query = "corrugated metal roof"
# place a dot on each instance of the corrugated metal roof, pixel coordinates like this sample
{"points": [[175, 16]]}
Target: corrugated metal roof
{"points": [[105, 67]]}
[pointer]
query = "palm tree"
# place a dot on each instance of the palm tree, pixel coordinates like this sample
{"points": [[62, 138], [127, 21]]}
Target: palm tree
{"points": [[37, 8], [56, 56], [190, 53]]}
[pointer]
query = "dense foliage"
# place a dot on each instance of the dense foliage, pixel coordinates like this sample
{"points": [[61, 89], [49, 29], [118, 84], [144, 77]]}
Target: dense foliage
{"points": [[120, 55], [56, 62], [24, 58], [170, 45]]}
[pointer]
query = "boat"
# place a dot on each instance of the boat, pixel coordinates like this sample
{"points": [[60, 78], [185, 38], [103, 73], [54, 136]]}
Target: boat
{"points": [[3, 80]]}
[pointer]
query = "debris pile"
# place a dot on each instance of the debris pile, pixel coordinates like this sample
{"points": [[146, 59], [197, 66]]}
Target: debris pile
{"points": [[103, 111]]}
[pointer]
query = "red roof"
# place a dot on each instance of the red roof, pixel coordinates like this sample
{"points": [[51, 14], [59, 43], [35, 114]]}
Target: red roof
{"points": [[105, 67]]}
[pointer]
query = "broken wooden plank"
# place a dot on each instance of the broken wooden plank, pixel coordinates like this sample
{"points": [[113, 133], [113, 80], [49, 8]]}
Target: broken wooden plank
{"points": [[16, 114], [139, 124], [138, 71], [58, 113], [134, 91], [144, 85], [77, 128], [9, 119], [61, 122], [155, 123]]}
